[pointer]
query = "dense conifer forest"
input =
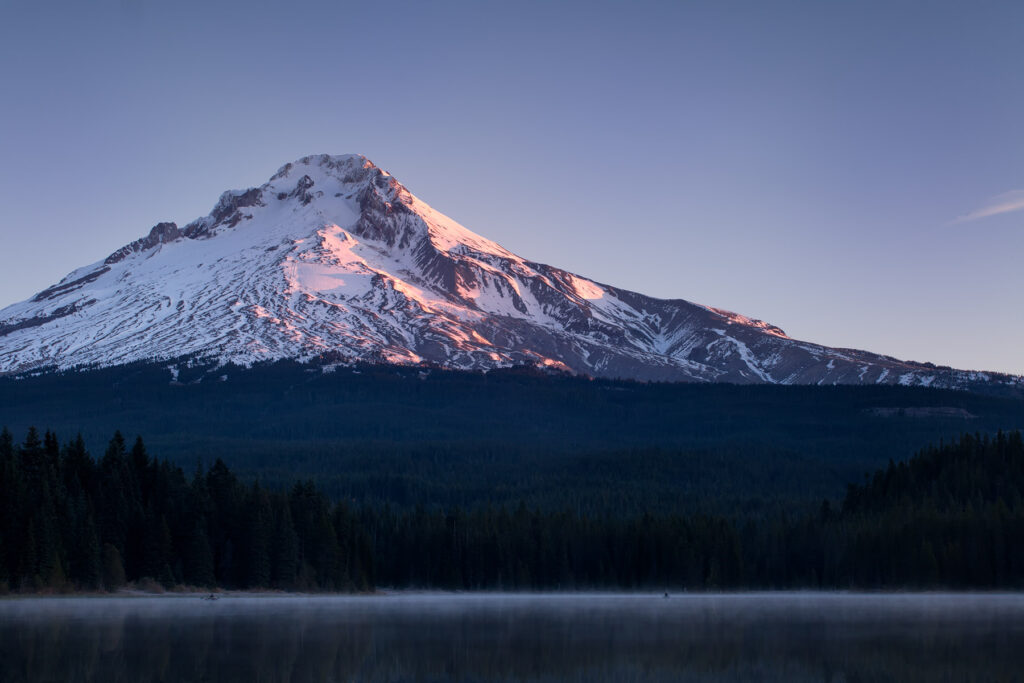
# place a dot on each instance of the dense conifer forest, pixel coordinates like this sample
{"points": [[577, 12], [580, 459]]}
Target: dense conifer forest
{"points": [[407, 436], [952, 516]]}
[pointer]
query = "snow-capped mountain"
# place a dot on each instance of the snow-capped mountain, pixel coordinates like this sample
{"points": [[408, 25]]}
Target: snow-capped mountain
{"points": [[333, 258]]}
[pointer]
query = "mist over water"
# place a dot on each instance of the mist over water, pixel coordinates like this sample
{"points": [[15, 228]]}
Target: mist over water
{"points": [[515, 637]]}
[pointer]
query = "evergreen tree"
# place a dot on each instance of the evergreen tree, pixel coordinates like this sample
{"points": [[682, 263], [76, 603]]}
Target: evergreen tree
{"points": [[284, 549], [198, 558], [258, 531], [113, 568]]}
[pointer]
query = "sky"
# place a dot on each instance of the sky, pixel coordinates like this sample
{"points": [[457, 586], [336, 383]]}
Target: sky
{"points": [[851, 172]]}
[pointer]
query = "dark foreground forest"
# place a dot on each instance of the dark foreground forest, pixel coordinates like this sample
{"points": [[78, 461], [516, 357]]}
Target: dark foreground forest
{"points": [[952, 517]]}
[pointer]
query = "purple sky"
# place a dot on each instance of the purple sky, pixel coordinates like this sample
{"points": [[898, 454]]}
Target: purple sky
{"points": [[852, 172]]}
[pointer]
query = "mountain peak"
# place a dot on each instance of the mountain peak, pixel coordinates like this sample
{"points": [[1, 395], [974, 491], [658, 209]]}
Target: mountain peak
{"points": [[348, 169], [332, 161], [333, 258]]}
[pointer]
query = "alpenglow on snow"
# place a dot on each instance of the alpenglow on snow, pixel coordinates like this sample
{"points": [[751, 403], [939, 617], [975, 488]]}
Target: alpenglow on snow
{"points": [[334, 259]]}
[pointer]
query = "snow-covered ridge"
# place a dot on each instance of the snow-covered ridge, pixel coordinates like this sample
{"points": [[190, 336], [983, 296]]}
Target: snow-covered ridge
{"points": [[334, 258]]}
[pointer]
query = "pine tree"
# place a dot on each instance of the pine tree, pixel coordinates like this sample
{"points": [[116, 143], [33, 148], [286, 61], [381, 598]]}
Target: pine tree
{"points": [[140, 469], [10, 487], [113, 568], [259, 527], [222, 489], [37, 462], [118, 509], [284, 548], [198, 558]]}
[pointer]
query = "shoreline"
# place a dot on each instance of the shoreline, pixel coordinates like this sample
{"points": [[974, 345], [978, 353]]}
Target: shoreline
{"points": [[132, 593]]}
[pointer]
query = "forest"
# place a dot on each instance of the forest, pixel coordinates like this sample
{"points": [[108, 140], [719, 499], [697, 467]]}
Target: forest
{"points": [[388, 435], [952, 516]]}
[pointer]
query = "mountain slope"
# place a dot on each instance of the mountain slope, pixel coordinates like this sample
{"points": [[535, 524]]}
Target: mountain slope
{"points": [[334, 259]]}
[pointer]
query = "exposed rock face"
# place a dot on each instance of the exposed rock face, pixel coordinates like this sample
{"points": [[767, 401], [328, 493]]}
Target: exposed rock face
{"points": [[334, 258], [162, 233]]}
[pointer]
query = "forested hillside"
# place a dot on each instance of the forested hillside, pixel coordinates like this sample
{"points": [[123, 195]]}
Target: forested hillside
{"points": [[406, 436], [953, 516]]}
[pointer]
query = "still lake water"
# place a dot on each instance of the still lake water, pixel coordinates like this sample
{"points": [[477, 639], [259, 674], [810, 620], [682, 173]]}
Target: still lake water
{"points": [[516, 637]]}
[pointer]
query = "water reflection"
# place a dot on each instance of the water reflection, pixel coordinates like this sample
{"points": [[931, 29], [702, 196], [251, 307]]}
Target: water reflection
{"points": [[793, 637]]}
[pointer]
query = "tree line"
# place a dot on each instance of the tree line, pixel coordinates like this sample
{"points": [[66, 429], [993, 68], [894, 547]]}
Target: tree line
{"points": [[406, 435], [951, 516], [68, 521]]}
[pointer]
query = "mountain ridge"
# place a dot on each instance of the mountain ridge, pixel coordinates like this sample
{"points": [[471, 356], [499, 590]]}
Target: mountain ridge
{"points": [[334, 258]]}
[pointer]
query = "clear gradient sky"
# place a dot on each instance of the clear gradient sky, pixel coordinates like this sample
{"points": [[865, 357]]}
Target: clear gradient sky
{"points": [[850, 171]]}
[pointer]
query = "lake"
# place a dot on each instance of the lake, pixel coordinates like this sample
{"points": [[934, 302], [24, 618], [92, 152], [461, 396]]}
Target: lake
{"points": [[516, 637]]}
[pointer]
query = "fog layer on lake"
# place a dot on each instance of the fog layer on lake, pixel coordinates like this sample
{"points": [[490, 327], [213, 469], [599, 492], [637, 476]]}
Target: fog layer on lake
{"points": [[515, 637]]}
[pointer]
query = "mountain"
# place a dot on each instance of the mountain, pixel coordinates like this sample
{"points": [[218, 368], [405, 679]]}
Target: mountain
{"points": [[334, 260]]}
